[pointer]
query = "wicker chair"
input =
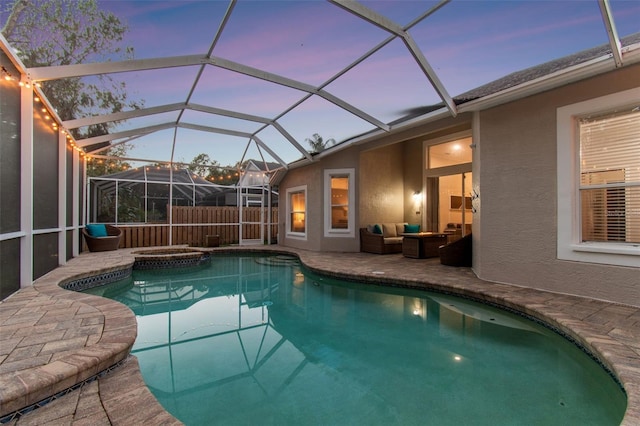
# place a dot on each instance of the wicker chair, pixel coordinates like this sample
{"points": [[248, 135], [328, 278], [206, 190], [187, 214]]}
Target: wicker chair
{"points": [[457, 253], [374, 243], [108, 243]]}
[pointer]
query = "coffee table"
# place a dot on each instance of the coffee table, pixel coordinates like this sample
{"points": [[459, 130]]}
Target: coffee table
{"points": [[422, 244]]}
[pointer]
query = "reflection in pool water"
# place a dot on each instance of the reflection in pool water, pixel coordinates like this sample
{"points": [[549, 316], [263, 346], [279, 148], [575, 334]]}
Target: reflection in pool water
{"points": [[253, 339]]}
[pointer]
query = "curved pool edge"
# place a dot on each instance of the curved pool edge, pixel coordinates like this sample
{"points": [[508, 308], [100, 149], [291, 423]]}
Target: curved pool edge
{"points": [[609, 331], [80, 346]]}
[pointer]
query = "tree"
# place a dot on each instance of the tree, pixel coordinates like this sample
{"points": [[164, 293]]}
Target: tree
{"points": [[64, 32], [318, 144], [99, 167], [201, 164]]}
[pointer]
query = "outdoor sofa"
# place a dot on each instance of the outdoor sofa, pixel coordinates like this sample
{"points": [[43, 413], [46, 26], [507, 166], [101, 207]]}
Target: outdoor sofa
{"points": [[384, 238]]}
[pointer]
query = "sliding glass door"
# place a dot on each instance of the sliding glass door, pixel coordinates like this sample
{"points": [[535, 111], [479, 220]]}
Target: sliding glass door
{"points": [[448, 188], [449, 207]]}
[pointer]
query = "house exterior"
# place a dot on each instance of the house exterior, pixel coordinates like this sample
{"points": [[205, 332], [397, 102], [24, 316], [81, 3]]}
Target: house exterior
{"points": [[523, 183]]}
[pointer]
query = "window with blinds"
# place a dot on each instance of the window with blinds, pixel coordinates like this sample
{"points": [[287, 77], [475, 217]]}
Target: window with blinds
{"points": [[297, 210], [339, 199], [610, 176], [339, 202]]}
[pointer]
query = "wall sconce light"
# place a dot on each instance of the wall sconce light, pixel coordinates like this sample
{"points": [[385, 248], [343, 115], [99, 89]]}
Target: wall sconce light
{"points": [[417, 201]]}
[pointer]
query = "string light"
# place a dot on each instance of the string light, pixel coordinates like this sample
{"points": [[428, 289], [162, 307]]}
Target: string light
{"points": [[29, 84], [6, 75], [24, 82]]}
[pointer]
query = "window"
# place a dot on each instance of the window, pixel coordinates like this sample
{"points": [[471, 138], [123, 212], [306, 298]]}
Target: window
{"points": [[450, 153], [297, 208], [339, 215], [599, 180], [448, 185]]}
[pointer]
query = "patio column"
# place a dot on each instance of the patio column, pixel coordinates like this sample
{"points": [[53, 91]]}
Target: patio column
{"points": [[62, 199], [26, 186], [75, 203]]}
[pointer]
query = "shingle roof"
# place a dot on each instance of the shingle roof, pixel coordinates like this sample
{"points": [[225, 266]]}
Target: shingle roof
{"points": [[542, 70], [523, 76]]}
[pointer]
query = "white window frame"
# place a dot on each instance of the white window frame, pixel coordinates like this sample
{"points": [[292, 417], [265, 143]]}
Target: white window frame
{"points": [[288, 232], [348, 232], [570, 246]]}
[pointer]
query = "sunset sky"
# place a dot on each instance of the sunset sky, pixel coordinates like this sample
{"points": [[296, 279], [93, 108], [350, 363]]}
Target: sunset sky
{"points": [[467, 43]]}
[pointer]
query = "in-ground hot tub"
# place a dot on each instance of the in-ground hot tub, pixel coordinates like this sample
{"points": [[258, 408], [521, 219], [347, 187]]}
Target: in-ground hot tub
{"points": [[170, 257]]}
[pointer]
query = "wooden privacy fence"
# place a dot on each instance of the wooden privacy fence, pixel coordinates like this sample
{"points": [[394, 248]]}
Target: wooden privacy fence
{"points": [[191, 225]]}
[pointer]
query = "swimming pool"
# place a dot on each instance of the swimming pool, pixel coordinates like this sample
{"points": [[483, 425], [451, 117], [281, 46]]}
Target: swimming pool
{"points": [[258, 339]]}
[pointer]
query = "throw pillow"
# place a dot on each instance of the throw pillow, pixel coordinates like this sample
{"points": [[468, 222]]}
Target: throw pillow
{"points": [[389, 230], [412, 229], [400, 228], [97, 230], [377, 229]]}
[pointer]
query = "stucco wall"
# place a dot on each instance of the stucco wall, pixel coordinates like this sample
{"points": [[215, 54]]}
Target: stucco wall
{"points": [[313, 177], [381, 175], [380, 193], [413, 163], [346, 159], [517, 150]]}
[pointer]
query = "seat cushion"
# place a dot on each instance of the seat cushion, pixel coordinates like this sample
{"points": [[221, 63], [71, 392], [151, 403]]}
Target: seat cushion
{"points": [[97, 230], [392, 240]]}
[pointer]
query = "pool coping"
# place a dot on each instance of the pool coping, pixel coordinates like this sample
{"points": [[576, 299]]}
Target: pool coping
{"points": [[607, 330]]}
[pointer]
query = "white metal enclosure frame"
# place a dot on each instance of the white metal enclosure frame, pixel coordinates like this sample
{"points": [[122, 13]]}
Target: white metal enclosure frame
{"points": [[207, 59]]}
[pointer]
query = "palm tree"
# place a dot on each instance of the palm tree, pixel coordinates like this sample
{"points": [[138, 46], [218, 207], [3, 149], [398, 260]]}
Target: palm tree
{"points": [[318, 144]]}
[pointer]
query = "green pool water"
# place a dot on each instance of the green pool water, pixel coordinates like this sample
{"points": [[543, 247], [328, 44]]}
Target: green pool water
{"points": [[258, 340]]}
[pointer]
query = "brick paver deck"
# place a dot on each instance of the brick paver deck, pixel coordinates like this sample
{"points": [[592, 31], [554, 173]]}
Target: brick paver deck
{"points": [[53, 339]]}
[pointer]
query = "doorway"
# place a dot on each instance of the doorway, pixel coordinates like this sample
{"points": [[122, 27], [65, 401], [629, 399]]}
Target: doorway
{"points": [[251, 215], [449, 208]]}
